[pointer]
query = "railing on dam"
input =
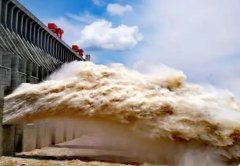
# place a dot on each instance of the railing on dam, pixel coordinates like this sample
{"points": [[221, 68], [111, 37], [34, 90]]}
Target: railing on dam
{"points": [[23, 34]]}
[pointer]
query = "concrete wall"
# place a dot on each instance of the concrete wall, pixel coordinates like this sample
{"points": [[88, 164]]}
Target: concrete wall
{"points": [[27, 137], [15, 70], [24, 34], [28, 52], [48, 132]]}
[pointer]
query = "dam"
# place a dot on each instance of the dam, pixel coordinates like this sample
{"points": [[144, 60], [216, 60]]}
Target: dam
{"points": [[57, 105], [29, 53]]}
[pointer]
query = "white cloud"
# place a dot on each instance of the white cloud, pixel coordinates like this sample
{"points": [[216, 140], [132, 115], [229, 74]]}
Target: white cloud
{"points": [[191, 30], [98, 2], [199, 37], [85, 18], [117, 9], [102, 35]]}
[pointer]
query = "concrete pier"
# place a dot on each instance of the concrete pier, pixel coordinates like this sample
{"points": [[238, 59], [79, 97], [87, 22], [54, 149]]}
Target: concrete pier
{"points": [[29, 137], [59, 132], [18, 137], [1, 115], [8, 142]]}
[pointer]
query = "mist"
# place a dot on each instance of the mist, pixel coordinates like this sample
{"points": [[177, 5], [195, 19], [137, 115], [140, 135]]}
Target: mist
{"points": [[175, 122], [199, 37]]}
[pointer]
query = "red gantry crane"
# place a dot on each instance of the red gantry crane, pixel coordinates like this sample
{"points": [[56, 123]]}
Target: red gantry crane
{"points": [[59, 32]]}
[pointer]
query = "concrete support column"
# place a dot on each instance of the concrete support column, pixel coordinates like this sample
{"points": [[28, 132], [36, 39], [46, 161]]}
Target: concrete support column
{"points": [[29, 137], [15, 67], [37, 73], [1, 115], [48, 73], [35, 70], [18, 144], [8, 142], [6, 60], [44, 73], [34, 77], [22, 65], [59, 132], [41, 134], [40, 77], [18, 75], [44, 134], [5, 69], [50, 131], [69, 130], [1, 57], [29, 71]]}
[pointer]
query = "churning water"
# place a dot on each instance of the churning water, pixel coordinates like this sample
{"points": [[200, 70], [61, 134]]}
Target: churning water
{"points": [[186, 124]]}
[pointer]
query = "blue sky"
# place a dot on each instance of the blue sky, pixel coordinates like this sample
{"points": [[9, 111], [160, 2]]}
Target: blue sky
{"points": [[202, 38], [55, 8], [64, 12]]}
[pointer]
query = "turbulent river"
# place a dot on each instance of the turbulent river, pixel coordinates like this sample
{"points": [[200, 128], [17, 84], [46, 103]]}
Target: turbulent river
{"points": [[182, 124]]}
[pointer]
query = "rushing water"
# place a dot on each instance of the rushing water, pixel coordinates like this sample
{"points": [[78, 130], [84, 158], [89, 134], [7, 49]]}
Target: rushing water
{"points": [[192, 124]]}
